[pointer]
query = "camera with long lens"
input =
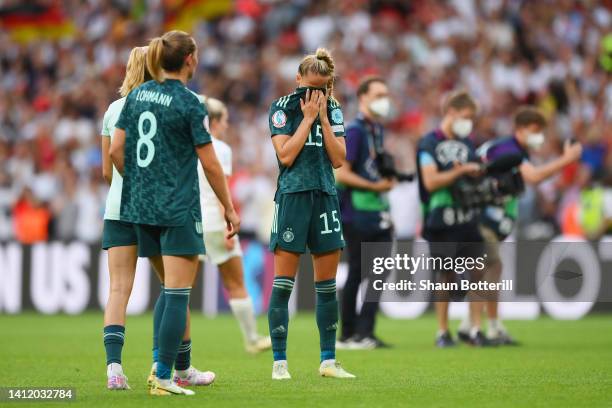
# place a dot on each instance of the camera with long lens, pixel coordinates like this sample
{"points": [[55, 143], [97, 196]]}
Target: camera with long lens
{"points": [[387, 169], [501, 179]]}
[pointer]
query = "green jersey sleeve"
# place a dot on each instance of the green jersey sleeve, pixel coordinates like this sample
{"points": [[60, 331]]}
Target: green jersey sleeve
{"points": [[198, 117], [279, 121], [124, 117], [336, 118]]}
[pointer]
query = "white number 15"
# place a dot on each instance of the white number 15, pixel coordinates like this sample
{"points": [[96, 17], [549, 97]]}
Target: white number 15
{"points": [[335, 219]]}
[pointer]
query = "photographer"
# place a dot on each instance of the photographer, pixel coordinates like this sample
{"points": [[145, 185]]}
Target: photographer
{"points": [[364, 207], [497, 221], [445, 155]]}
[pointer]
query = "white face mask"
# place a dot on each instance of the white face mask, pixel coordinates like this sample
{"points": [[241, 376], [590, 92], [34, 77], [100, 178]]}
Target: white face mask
{"points": [[381, 107], [462, 127], [535, 141]]}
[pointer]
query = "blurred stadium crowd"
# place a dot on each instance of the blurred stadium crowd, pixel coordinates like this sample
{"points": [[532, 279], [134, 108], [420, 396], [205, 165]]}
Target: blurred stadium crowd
{"points": [[556, 54]]}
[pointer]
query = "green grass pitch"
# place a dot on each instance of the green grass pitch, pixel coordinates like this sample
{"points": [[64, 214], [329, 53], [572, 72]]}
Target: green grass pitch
{"points": [[561, 364]]}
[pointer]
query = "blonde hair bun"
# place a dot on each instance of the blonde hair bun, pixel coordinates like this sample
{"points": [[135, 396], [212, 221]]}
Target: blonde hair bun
{"points": [[322, 63]]}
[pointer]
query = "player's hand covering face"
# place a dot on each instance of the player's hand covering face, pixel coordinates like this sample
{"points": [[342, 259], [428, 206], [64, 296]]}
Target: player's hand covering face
{"points": [[323, 106], [311, 104]]}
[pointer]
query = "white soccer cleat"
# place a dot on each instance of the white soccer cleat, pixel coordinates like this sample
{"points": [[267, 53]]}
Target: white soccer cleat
{"points": [[333, 369], [262, 343], [194, 377], [344, 344], [117, 382], [280, 370], [365, 343], [161, 387]]}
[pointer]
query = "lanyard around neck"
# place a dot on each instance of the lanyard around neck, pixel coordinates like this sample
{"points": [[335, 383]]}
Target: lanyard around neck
{"points": [[373, 133]]}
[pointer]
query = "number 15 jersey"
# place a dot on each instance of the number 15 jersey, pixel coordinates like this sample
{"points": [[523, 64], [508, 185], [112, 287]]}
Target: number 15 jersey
{"points": [[312, 169], [163, 122]]}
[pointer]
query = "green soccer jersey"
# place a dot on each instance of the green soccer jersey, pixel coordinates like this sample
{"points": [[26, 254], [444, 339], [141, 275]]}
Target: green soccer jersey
{"points": [[312, 169], [163, 122]]}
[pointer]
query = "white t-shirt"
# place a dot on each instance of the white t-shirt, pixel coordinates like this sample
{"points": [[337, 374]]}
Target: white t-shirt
{"points": [[113, 200], [211, 212]]}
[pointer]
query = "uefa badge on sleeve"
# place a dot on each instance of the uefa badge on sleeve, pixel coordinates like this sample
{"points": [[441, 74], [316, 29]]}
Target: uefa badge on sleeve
{"points": [[279, 119], [337, 117]]}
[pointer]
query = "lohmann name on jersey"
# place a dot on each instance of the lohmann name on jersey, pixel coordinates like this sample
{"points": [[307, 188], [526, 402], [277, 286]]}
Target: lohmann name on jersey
{"points": [[155, 97]]}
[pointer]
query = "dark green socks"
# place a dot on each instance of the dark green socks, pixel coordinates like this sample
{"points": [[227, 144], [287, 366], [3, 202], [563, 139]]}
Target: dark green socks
{"points": [[327, 317], [114, 336], [183, 358], [172, 328], [158, 312], [278, 315]]}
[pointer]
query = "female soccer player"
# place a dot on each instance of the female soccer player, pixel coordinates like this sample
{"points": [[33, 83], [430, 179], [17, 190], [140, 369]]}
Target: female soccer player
{"points": [[307, 128], [158, 139], [220, 250], [119, 238]]}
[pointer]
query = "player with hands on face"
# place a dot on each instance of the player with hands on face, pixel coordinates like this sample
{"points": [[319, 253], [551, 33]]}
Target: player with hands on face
{"points": [[307, 128]]}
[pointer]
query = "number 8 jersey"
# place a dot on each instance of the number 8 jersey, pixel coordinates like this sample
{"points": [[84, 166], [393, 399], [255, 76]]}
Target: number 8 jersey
{"points": [[163, 122]]}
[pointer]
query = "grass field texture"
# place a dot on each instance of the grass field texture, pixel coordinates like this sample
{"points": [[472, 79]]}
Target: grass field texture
{"points": [[560, 364]]}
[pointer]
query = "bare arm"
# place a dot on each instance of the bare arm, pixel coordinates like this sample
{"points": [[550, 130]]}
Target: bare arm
{"points": [[216, 178], [536, 174], [346, 176], [335, 146], [434, 179], [230, 242], [116, 151], [107, 165], [289, 147]]}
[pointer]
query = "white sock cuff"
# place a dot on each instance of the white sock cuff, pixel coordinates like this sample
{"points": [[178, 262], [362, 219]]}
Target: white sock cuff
{"points": [[114, 368], [243, 303]]}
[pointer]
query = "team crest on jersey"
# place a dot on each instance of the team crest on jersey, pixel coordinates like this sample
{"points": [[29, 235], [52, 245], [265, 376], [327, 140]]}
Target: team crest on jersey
{"points": [[337, 116], [288, 236], [448, 216], [505, 226], [279, 119], [451, 151]]}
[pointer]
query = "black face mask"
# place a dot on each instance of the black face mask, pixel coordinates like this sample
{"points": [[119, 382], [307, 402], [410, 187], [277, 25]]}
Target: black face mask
{"points": [[303, 89]]}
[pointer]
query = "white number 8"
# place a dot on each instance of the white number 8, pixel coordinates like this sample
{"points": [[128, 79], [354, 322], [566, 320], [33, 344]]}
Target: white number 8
{"points": [[145, 139]]}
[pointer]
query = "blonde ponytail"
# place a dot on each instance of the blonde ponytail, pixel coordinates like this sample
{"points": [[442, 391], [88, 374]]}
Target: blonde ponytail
{"points": [[135, 71], [154, 56]]}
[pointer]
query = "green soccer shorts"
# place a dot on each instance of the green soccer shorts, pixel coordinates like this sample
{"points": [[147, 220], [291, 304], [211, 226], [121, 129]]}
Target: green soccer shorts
{"points": [[179, 241], [118, 233], [307, 218]]}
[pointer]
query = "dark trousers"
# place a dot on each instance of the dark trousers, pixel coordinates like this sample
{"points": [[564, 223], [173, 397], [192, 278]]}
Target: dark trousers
{"points": [[361, 324]]}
